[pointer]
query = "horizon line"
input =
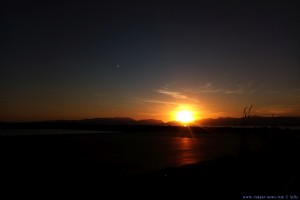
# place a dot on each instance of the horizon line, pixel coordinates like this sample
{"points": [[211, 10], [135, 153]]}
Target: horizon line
{"points": [[213, 118]]}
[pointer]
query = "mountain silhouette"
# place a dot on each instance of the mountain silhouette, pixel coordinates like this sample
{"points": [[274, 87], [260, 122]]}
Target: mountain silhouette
{"points": [[95, 123]]}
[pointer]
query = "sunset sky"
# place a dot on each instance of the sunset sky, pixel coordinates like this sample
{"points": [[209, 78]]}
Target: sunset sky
{"points": [[147, 59]]}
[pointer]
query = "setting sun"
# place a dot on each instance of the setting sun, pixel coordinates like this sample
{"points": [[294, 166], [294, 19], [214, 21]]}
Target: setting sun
{"points": [[184, 116]]}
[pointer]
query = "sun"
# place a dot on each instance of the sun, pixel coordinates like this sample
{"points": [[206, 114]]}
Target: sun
{"points": [[184, 116]]}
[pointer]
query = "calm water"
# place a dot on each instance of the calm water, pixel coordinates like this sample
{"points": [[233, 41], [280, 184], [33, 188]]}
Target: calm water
{"points": [[138, 152], [156, 152]]}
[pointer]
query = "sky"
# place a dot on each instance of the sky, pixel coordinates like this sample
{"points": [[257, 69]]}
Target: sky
{"points": [[148, 59]]}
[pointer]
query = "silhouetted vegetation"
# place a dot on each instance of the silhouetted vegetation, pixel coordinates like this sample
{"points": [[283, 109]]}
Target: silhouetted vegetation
{"points": [[247, 115]]}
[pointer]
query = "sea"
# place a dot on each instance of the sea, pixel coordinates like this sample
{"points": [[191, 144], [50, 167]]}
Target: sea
{"points": [[130, 153]]}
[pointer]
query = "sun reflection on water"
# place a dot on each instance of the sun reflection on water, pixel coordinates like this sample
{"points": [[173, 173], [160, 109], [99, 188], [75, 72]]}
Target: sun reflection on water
{"points": [[187, 154]]}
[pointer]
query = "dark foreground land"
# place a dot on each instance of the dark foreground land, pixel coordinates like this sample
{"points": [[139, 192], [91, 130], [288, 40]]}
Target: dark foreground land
{"points": [[273, 169]]}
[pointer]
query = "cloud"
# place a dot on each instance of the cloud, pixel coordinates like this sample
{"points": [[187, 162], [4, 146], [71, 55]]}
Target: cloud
{"points": [[176, 95], [158, 101], [209, 88]]}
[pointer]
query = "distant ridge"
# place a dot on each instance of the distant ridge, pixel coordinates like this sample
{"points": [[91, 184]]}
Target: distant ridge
{"points": [[253, 121], [151, 122], [122, 121], [222, 121], [110, 121]]}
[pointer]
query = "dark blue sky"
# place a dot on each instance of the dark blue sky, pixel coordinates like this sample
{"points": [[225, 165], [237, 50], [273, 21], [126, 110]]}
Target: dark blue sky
{"points": [[146, 59]]}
